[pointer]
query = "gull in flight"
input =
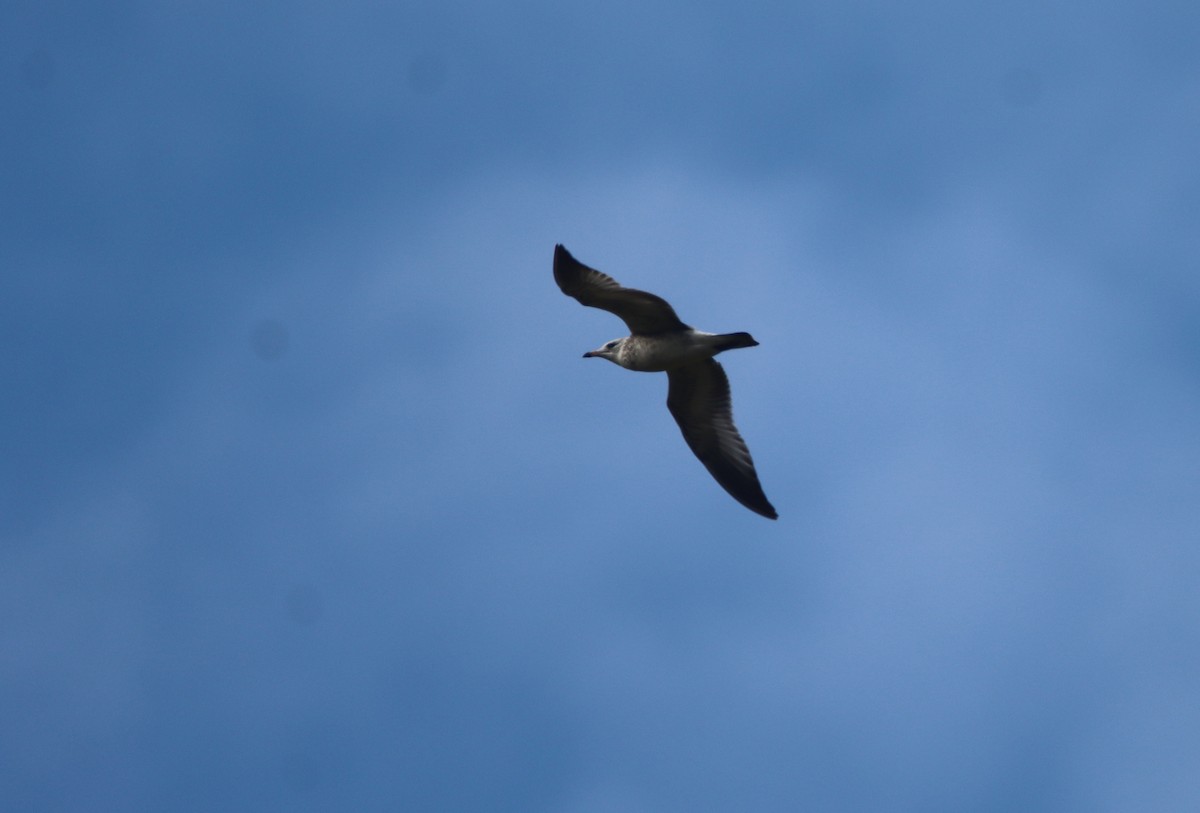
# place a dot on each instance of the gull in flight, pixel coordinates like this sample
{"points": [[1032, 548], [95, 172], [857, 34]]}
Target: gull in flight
{"points": [[697, 391]]}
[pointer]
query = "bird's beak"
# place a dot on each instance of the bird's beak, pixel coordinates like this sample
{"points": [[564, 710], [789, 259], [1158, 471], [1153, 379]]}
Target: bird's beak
{"points": [[588, 354]]}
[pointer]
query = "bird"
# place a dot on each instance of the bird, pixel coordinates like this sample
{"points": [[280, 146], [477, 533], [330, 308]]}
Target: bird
{"points": [[697, 387]]}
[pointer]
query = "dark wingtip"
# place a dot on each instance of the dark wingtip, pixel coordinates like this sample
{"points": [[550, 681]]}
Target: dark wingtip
{"points": [[757, 501], [568, 271], [765, 509], [562, 260]]}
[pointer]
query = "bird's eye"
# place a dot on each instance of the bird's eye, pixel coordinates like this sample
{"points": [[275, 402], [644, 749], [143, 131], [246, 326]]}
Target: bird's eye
{"points": [[610, 345]]}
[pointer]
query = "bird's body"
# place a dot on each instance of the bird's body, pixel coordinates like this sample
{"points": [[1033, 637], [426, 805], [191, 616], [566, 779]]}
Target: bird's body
{"points": [[659, 353], [698, 392]]}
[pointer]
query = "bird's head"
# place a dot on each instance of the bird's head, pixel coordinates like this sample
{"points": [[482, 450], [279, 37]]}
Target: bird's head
{"points": [[608, 351]]}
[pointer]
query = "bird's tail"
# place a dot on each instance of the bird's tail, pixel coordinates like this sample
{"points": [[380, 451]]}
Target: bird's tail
{"points": [[732, 341]]}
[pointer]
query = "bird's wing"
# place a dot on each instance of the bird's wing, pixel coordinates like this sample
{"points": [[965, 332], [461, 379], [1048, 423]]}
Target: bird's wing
{"points": [[698, 397], [644, 313]]}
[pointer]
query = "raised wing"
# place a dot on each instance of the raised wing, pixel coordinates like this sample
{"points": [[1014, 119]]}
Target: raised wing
{"points": [[644, 313], [698, 398]]}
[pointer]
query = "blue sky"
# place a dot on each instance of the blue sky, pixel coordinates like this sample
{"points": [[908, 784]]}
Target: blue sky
{"points": [[308, 501]]}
